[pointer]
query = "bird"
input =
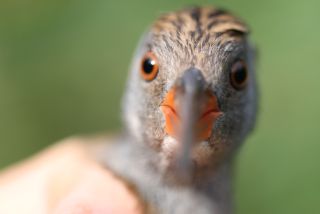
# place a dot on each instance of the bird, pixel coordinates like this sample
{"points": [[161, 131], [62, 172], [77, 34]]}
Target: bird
{"points": [[191, 101]]}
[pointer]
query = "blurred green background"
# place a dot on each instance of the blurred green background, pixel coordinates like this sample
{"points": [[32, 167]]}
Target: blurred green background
{"points": [[63, 66]]}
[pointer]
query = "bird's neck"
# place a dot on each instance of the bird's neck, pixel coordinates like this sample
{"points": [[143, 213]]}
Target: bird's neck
{"points": [[135, 163]]}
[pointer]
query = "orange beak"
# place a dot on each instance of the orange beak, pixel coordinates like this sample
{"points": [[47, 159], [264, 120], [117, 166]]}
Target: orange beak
{"points": [[207, 115], [190, 110]]}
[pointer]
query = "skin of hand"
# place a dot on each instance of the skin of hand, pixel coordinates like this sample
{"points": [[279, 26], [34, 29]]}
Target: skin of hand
{"points": [[65, 178]]}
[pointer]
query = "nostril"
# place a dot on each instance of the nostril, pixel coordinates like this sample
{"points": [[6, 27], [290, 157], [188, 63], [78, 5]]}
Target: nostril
{"points": [[193, 81]]}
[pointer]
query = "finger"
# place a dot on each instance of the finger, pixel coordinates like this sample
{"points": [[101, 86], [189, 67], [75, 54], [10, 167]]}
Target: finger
{"points": [[98, 191]]}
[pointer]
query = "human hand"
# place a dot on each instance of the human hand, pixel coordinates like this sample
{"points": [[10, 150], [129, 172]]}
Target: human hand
{"points": [[65, 179]]}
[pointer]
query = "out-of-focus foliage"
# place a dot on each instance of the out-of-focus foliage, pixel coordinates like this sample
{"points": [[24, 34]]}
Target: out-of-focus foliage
{"points": [[63, 66]]}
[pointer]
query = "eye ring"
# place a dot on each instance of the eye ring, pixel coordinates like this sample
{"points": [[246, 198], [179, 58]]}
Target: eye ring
{"points": [[239, 74], [149, 66]]}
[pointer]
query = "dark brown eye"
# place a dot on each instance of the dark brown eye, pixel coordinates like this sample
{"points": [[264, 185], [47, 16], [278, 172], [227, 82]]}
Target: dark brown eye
{"points": [[149, 66], [239, 75]]}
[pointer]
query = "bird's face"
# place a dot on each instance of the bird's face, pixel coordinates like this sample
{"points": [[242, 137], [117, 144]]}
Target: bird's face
{"points": [[191, 94]]}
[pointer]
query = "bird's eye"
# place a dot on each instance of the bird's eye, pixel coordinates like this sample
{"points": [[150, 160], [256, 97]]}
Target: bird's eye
{"points": [[239, 75], [149, 66]]}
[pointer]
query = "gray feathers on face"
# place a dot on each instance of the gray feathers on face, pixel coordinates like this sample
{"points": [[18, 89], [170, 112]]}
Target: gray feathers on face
{"points": [[210, 40]]}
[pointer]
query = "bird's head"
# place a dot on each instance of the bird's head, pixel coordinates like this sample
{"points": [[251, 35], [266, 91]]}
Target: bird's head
{"points": [[191, 94]]}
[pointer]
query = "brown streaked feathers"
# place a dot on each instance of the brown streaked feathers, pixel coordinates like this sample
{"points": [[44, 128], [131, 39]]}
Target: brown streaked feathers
{"points": [[198, 24]]}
